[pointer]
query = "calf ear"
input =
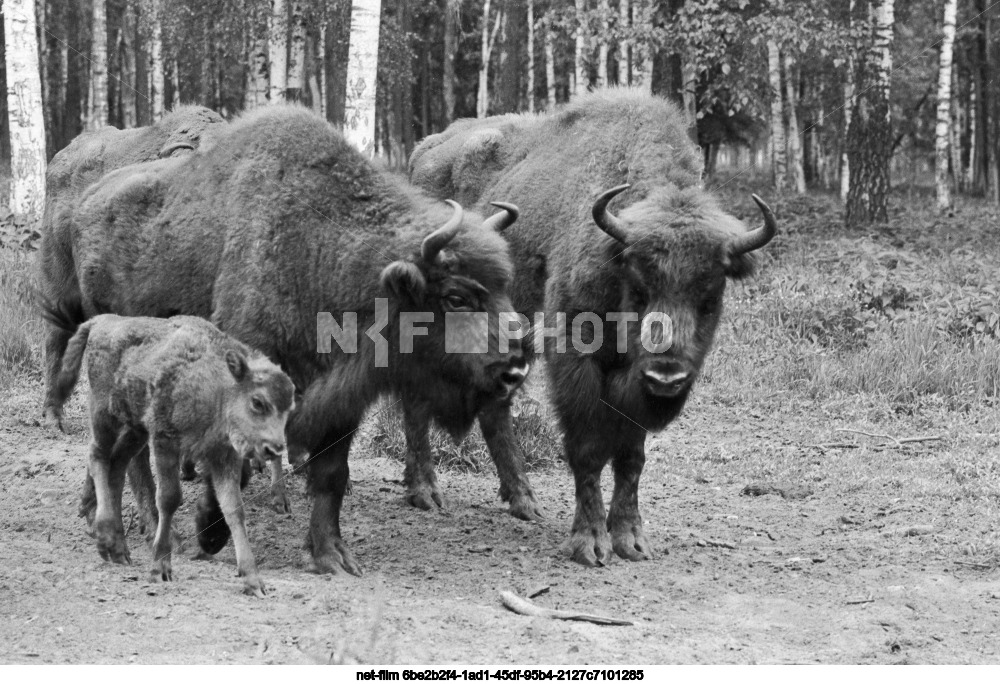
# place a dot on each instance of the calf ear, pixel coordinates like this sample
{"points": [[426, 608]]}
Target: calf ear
{"points": [[237, 364], [404, 280]]}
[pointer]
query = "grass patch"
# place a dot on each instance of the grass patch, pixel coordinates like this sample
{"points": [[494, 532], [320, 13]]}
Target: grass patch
{"points": [[20, 326]]}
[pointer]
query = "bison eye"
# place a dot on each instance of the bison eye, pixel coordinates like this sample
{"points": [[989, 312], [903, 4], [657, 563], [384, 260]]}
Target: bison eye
{"points": [[456, 302], [638, 297], [258, 405]]}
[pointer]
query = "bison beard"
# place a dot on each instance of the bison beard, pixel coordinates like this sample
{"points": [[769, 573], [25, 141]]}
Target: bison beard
{"points": [[669, 251], [278, 221]]}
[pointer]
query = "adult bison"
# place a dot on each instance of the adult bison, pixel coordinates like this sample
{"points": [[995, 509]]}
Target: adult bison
{"points": [[665, 252], [72, 170], [278, 224]]}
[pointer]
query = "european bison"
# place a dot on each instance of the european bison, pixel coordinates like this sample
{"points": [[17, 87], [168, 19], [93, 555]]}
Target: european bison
{"points": [[277, 225], [184, 388], [665, 252], [72, 170]]}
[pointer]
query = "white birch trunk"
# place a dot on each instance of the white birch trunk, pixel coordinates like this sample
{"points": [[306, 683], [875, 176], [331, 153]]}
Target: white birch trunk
{"points": [[579, 59], [531, 55], [297, 54], [943, 129], [278, 51], [849, 76], [321, 56], [970, 170], [550, 64], [643, 17], [793, 140], [155, 62], [486, 49], [98, 110], [624, 58], [778, 162], [175, 83], [24, 109], [362, 75], [126, 85], [602, 50]]}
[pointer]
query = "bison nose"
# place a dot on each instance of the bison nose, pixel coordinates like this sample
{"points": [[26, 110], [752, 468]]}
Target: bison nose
{"points": [[513, 377], [273, 451], [666, 384]]}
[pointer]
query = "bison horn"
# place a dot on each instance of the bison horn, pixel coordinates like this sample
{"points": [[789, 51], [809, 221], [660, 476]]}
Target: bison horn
{"points": [[170, 148], [436, 241], [607, 221], [502, 220], [756, 239]]}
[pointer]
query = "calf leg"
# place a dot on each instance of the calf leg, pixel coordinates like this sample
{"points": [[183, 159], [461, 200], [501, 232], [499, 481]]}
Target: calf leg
{"points": [[140, 479], [167, 461], [624, 522], [107, 467], [498, 431], [226, 480], [328, 477], [421, 481]]}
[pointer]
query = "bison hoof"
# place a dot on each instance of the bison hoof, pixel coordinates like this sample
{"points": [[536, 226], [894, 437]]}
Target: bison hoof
{"points": [[425, 498], [213, 533], [591, 549], [631, 545], [337, 560], [525, 507], [52, 419], [281, 504], [111, 544], [162, 571]]}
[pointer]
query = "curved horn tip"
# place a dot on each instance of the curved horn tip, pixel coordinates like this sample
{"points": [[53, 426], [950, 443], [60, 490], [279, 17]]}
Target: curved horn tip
{"points": [[607, 221], [502, 221]]}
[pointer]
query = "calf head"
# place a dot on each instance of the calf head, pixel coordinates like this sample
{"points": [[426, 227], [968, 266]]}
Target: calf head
{"points": [[450, 352], [674, 251], [257, 406]]}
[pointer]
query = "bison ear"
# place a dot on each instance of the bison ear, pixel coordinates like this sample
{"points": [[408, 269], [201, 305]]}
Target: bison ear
{"points": [[739, 266], [237, 364], [405, 280]]}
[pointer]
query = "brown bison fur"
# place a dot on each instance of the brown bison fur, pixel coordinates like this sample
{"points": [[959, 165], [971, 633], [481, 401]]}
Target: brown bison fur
{"points": [[282, 220], [72, 170], [184, 388], [668, 251]]}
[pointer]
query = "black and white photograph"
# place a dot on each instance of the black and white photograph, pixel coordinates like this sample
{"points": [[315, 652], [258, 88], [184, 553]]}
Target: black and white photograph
{"points": [[499, 339]]}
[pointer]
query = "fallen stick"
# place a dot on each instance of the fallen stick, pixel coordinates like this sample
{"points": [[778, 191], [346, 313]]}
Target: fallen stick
{"points": [[868, 434], [521, 606], [977, 566], [832, 445], [858, 602], [896, 441]]}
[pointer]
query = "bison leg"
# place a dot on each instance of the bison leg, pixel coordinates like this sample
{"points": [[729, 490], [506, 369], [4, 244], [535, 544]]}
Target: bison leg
{"points": [[140, 479], [498, 431], [210, 523], [624, 522], [107, 467], [279, 497], [168, 497], [589, 543], [421, 482], [226, 479], [328, 477], [55, 349]]}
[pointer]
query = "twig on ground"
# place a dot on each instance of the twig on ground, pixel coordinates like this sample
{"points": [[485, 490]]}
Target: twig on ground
{"points": [[521, 606], [832, 445], [977, 566], [716, 543], [858, 602], [895, 441]]}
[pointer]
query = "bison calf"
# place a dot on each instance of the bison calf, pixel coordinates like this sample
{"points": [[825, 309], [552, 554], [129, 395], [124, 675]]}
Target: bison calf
{"points": [[185, 388]]}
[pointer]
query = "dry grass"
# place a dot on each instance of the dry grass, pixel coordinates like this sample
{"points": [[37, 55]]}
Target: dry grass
{"points": [[20, 325]]}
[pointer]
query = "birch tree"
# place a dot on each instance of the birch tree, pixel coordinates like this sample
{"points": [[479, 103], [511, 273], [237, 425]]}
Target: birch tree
{"points": [[451, 14], [486, 49], [794, 143], [277, 52], [297, 54], [531, 55], [602, 49], [869, 139], [849, 76], [642, 19], [778, 160], [943, 129], [624, 56], [362, 75], [24, 109], [98, 101], [579, 54], [550, 63], [155, 61]]}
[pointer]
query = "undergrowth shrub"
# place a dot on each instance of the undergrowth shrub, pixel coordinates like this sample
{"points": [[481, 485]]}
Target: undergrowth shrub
{"points": [[20, 326]]}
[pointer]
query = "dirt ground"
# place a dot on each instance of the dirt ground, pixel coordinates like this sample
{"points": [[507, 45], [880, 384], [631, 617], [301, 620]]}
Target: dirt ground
{"points": [[849, 573]]}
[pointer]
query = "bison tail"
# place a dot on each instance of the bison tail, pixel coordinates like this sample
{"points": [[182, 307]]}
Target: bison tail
{"points": [[72, 360], [66, 314]]}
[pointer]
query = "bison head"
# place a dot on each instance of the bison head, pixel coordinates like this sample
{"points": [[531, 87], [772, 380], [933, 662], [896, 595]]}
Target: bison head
{"points": [[448, 352], [674, 251], [257, 406]]}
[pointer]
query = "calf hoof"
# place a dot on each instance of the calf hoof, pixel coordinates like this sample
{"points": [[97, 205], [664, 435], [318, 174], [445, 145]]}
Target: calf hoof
{"points": [[631, 544], [525, 507], [253, 586], [162, 571], [114, 549], [188, 471], [52, 419], [213, 533], [591, 548]]}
